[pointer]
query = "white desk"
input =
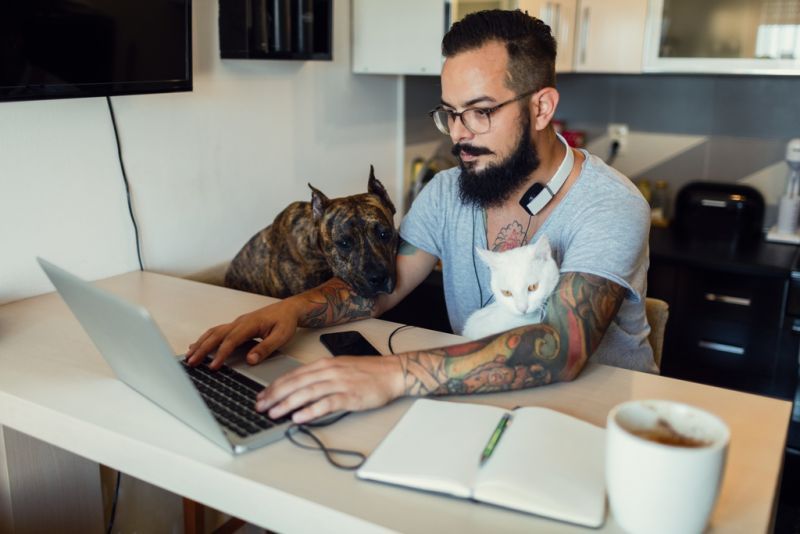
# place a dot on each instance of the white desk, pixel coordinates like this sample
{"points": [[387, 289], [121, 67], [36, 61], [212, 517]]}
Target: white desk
{"points": [[54, 386]]}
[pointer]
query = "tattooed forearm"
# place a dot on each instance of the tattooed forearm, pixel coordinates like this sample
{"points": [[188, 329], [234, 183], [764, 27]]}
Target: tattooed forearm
{"points": [[335, 303], [578, 315]]}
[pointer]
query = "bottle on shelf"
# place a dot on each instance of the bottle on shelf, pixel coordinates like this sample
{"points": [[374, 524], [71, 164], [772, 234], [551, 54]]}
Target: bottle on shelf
{"points": [[644, 187], [659, 204]]}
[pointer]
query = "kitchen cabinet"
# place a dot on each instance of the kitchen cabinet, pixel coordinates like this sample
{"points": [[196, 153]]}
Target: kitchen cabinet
{"points": [[725, 36], [560, 16], [610, 36], [391, 37], [727, 325]]}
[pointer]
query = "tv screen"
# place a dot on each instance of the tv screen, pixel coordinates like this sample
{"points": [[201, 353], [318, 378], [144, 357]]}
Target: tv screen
{"points": [[83, 48]]}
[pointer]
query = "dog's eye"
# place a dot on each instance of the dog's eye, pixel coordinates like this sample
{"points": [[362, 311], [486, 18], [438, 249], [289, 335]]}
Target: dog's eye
{"points": [[343, 244], [506, 293], [384, 236]]}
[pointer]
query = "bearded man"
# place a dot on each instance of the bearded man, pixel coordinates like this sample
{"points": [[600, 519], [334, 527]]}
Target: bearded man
{"points": [[517, 180]]}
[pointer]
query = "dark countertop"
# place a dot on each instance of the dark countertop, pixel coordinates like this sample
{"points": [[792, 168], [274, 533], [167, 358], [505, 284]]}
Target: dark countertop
{"points": [[758, 257]]}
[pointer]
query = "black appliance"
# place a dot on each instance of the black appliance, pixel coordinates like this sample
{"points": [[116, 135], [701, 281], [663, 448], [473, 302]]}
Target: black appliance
{"points": [[71, 48], [793, 331], [719, 212]]}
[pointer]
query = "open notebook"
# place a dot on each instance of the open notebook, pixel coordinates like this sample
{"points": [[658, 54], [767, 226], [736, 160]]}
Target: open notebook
{"points": [[545, 463]]}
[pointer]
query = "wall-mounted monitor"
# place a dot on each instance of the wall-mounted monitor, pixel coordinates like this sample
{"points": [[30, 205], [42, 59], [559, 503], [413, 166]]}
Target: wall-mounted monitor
{"points": [[85, 48]]}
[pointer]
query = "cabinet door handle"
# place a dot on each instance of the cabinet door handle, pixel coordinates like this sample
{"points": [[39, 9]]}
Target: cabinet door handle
{"points": [[720, 347], [584, 35], [727, 299], [447, 15]]}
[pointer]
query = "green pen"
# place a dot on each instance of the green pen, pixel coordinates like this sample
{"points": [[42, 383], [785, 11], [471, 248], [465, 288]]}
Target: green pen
{"points": [[495, 438]]}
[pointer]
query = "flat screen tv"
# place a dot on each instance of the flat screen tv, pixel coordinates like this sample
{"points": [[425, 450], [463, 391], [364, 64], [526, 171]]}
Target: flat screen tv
{"points": [[84, 48]]}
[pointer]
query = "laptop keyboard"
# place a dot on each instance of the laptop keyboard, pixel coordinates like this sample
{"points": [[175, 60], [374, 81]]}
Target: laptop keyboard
{"points": [[231, 397]]}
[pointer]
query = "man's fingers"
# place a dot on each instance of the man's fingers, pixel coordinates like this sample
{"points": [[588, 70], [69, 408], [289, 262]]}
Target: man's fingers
{"points": [[194, 346], [271, 341], [235, 337], [323, 406], [206, 344], [295, 389], [258, 353]]}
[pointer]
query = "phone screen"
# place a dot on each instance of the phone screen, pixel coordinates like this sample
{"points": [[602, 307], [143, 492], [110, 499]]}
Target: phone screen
{"points": [[349, 343]]}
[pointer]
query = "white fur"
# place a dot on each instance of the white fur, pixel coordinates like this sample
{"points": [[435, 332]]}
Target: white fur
{"points": [[513, 271]]}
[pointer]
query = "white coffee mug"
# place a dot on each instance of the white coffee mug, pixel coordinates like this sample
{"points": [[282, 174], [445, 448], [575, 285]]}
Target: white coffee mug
{"points": [[654, 487]]}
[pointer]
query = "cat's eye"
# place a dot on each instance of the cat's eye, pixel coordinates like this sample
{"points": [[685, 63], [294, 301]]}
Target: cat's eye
{"points": [[533, 287], [506, 293]]}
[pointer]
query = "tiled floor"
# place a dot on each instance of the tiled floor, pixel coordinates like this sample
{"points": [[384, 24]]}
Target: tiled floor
{"points": [[788, 516]]}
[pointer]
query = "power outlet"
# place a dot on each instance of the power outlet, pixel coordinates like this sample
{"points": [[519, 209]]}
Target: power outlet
{"points": [[619, 132]]}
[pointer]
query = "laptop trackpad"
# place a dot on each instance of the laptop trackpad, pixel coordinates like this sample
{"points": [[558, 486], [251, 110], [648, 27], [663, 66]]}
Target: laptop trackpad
{"points": [[269, 369]]}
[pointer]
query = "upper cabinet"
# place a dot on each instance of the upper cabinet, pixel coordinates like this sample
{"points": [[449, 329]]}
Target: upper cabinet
{"points": [[725, 36], [560, 16], [610, 35], [398, 37], [392, 37]]}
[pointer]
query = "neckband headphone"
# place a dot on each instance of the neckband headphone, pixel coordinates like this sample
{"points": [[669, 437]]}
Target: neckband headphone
{"points": [[538, 195]]}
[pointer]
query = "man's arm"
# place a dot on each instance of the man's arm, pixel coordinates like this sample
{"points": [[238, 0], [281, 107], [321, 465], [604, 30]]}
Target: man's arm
{"points": [[331, 303], [578, 314], [335, 302]]}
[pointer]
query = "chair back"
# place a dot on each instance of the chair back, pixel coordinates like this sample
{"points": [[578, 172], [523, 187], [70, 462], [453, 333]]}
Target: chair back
{"points": [[657, 312]]}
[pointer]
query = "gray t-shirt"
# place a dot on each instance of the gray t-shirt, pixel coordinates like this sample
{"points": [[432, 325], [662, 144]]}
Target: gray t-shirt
{"points": [[600, 227]]}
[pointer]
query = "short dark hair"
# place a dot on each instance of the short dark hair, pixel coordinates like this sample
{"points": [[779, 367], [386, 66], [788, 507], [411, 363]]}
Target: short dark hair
{"points": [[529, 42]]}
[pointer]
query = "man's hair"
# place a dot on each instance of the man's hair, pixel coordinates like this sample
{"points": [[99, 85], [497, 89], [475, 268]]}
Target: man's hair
{"points": [[530, 45]]}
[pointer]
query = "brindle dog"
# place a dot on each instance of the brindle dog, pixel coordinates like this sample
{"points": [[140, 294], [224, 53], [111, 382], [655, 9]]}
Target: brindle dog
{"points": [[352, 238]]}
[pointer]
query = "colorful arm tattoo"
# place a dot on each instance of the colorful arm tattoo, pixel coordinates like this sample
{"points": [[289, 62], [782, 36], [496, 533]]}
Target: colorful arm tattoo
{"points": [[578, 314], [335, 303]]}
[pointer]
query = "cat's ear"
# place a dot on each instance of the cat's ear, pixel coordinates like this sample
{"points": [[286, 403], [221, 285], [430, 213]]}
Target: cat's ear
{"points": [[542, 250], [487, 256]]}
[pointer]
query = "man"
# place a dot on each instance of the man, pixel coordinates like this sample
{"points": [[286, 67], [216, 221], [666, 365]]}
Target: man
{"points": [[498, 100]]}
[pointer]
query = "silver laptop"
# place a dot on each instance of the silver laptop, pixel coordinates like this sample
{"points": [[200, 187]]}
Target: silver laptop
{"points": [[217, 404]]}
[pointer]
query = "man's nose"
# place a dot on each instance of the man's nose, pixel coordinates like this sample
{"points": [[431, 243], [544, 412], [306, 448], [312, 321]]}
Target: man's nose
{"points": [[459, 132]]}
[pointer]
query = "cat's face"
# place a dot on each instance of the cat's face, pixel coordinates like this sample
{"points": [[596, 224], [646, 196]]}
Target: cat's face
{"points": [[523, 277]]}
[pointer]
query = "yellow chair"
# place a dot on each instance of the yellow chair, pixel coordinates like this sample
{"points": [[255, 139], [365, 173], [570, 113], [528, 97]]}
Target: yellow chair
{"points": [[657, 312]]}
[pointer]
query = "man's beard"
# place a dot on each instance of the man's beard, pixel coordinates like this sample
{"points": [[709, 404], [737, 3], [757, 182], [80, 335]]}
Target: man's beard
{"points": [[493, 185]]}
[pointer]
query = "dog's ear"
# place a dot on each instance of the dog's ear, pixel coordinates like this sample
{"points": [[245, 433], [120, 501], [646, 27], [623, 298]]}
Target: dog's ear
{"points": [[376, 188], [318, 202]]}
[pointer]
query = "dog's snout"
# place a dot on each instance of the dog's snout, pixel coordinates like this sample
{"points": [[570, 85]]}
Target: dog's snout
{"points": [[378, 280]]}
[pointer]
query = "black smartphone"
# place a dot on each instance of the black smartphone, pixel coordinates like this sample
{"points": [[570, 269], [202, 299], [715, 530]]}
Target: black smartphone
{"points": [[348, 343]]}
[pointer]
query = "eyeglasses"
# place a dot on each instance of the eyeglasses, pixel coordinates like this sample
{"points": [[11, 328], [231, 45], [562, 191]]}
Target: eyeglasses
{"points": [[476, 120]]}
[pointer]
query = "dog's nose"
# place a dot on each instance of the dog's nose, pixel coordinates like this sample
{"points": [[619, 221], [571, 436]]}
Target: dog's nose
{"points": [[377, 281]]}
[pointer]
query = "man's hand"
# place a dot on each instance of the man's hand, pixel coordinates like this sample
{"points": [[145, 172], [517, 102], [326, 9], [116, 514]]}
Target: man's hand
{"points": [[333, 384], [274, 324]]}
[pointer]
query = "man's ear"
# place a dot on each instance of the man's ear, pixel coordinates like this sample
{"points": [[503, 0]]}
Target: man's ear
{"points": [[543, 107]]}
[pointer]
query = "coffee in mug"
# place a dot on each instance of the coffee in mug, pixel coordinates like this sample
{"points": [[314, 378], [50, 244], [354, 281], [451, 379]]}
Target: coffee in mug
{"points": [[664, 465]]}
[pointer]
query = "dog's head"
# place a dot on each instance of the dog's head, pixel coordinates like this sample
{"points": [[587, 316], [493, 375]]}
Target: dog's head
{"points": [[358, 237]]}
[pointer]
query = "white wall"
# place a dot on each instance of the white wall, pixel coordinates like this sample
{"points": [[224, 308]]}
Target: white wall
{"points": [[207, 169]]}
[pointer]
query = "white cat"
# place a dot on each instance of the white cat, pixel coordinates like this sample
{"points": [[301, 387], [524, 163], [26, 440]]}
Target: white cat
{"points": [[522, 279]]}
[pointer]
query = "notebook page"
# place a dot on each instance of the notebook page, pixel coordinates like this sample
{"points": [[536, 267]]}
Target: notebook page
{"points": [[436, 446], [550, 464]]}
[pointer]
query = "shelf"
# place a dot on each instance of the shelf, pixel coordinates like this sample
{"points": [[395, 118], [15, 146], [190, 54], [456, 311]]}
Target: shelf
{"points": [[276, 29]]}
